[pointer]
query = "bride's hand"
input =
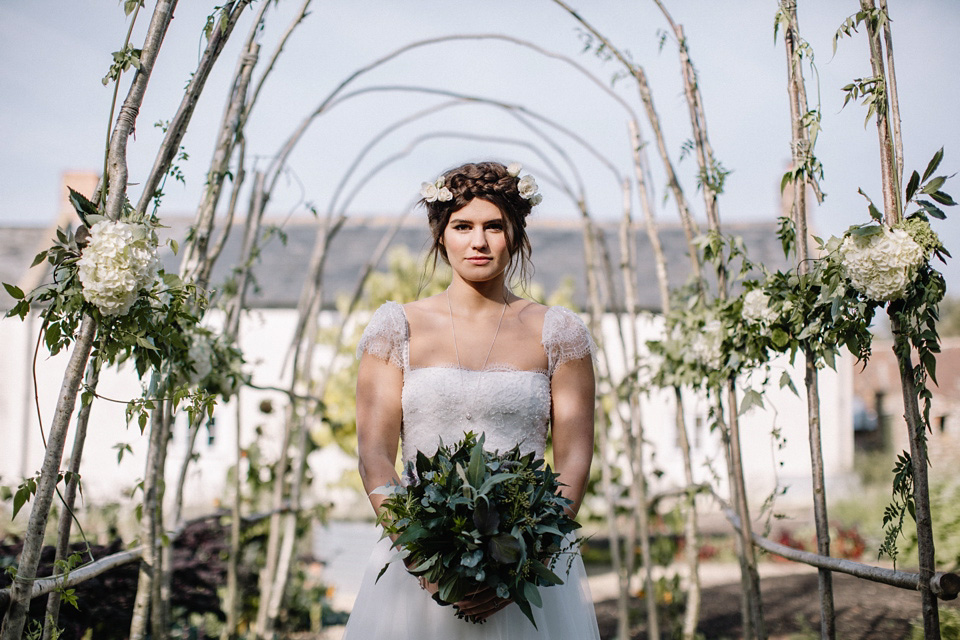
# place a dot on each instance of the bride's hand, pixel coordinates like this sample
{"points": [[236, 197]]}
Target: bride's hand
{"points": [[481, 604], [429, 587]]}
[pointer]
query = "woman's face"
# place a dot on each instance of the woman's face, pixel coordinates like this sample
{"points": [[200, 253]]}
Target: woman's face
{"points": [[475, 240]]}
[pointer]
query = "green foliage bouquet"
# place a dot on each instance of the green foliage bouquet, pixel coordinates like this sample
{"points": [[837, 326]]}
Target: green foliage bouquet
{"points": [[467, 518]]}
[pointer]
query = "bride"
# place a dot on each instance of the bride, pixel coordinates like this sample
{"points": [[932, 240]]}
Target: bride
{"points": [[474, 358]]}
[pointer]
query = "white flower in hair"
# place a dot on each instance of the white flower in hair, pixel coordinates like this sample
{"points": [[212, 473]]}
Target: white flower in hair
{"points": [[536, 199], [527, 187], [429, 191], [433, 191], [514, 169]]}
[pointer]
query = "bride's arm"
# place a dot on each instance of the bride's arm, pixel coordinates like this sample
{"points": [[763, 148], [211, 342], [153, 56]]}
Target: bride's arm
{"points": [[378, 423], [572, 389]]}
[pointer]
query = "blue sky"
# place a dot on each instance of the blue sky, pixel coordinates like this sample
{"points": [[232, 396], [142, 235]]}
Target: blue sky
{"points": [[53, 115]]}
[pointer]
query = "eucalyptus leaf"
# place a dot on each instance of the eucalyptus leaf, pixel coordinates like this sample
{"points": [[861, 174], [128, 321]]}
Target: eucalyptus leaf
{"points": [[476, 467], [495, 479], [525, 609], [532, 594], [544, 573], [413, 532]]}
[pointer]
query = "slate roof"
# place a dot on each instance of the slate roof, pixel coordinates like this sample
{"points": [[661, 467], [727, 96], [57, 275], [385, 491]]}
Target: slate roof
{"points": [[557, 254]]}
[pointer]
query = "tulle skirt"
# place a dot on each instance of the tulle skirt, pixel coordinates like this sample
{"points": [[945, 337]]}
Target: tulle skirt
{"points": [[396, 608]]}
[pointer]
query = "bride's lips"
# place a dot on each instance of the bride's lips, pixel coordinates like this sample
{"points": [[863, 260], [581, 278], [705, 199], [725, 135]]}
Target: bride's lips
{"points": [[479, 259]]}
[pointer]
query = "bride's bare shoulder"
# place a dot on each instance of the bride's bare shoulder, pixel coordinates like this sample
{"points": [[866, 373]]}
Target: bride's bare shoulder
{"points": [[426, 312], [530, 316], [530, 310]]}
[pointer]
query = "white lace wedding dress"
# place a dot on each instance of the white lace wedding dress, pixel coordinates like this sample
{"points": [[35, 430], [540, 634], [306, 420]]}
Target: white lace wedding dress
{"points": [[511, 407]]}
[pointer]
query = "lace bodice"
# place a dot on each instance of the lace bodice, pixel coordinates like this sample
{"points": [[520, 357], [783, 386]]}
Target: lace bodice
{"points": [[508, 405]]}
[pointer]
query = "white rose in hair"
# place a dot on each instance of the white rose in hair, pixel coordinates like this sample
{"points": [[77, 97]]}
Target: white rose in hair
{"points": [[514, 169], [527, 187], [444, 195], [429, 191], [536, 199]]}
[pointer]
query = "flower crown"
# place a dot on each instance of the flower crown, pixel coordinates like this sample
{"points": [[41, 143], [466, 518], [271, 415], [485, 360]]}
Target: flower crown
{"points": [[527, 186]]}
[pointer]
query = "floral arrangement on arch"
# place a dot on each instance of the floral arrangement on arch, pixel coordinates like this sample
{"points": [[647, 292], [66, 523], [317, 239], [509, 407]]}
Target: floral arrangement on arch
{"points": [[110, 269]]}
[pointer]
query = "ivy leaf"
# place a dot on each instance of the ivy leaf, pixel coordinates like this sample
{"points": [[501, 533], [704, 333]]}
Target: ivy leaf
{"points": [[787, 381], [40, 257], [15, 292], [874, 212], [751, 399], [20, 498], [787, 179]]}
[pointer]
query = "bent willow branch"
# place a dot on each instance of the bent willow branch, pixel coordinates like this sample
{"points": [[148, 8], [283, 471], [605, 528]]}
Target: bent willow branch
{"points": [[944, 585]]}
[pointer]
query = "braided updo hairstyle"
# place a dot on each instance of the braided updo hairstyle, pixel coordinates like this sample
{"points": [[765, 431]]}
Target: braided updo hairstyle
{"points": [[488, 181]]}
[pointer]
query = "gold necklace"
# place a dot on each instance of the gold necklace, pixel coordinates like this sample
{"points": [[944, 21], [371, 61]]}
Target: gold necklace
{"points": [[456, 350]]}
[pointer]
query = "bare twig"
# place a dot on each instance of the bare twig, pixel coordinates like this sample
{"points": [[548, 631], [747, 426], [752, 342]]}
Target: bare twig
{"points": [[799, 146], [178, 125]]}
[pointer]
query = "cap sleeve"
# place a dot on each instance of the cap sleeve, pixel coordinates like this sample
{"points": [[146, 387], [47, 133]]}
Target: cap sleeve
{"points": [[386, 335], [565, 337]]}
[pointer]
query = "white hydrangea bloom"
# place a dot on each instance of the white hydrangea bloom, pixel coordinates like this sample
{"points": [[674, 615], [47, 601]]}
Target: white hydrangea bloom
{"points": [[706, 346], [202, 357], [881, 266], [756, 307], [120, 259], [653, 365]]}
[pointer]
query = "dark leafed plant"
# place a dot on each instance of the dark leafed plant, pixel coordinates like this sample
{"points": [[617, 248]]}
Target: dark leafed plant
{"points": [[467, 518]]}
